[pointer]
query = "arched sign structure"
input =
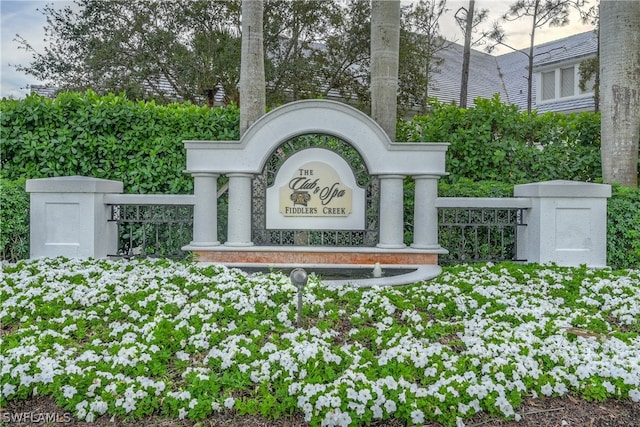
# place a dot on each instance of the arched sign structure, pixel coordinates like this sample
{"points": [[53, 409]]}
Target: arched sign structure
{"points": [[381, 155], [241, 160]]}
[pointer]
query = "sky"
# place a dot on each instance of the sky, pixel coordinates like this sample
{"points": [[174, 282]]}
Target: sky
{"points": [[22, 17]]}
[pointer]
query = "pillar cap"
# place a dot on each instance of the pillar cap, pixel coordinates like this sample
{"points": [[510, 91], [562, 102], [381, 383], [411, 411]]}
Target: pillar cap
{"points": [[73, 184], [563, 188]]}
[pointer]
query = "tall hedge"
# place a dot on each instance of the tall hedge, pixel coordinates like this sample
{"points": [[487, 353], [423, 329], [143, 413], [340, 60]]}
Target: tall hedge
{"points": [[14, 220], [623, 227], [494, 141], [108, 137], [141, 143]]}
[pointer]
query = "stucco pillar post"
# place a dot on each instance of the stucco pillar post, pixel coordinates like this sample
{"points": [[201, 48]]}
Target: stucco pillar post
{"points": [[205, 210], [425, 213], [239, 219], [69, 217], [566, 224], [391, 211]]}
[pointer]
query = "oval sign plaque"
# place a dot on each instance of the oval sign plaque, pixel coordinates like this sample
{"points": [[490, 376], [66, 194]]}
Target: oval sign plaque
{"points": [[315, 189]]}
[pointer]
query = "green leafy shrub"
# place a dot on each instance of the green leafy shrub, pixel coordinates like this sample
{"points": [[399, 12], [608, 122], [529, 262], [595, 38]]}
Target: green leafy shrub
{"points": [[464, 187], [623, 228], [109, 137], [14, 220], [494, 141]]}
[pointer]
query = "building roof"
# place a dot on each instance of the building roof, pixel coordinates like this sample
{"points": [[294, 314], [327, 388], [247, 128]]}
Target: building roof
{"points": [[484, 76], [506, 75], [513, 67], [569, 48]]}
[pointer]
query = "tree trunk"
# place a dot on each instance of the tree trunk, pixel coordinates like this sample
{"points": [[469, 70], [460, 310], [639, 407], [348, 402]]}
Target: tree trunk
{"points": [[385, 46], [620, 90], [464, 83], [531, 56], [252, 80]]}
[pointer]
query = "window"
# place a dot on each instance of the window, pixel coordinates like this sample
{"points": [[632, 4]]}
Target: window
{"points": [[548, 85], [561, 83], [567, 82]]}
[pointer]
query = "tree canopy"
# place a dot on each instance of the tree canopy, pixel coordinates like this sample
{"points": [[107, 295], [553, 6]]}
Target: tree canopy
{"points": [[190, 50]]}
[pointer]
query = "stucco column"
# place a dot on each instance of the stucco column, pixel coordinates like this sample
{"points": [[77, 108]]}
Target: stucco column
{"points": [[391, 211], [425, 213], [69, 217], [239, 219], [205, 210], [566, 224]]}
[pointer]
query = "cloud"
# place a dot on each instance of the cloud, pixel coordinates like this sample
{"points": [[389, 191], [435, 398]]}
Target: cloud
{"points": [[518, 32], [23, 18]]}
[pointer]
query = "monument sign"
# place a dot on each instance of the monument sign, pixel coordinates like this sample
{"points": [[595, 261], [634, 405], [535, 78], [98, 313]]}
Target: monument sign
{"points": [[315, 189]]}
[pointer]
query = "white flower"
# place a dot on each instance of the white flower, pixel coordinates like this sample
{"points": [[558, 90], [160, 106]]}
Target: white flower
{"points": [[609, 387], [336, 418], [81, 409], [417, 416], [463, 408], [69, 391], [390, 406], [560, 388], [634, 394], [99, 406], [357, 407], [182, 413], [181, 355], [377, 411], [430, 372], [504, 405], [229, 402], [128, 405], [8, 389], [364, 395]]}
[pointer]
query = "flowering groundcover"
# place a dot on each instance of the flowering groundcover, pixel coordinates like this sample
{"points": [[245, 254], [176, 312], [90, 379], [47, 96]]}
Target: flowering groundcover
{"points": [[135, 338]]}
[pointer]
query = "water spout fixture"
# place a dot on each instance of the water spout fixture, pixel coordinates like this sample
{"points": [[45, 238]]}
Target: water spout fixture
{"points": [[377, 270]]}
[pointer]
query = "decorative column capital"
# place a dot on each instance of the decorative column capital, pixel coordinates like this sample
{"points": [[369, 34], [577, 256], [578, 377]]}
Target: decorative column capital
{"points": [[239, 175], [391, 176], [426, 176], [204, 174]]}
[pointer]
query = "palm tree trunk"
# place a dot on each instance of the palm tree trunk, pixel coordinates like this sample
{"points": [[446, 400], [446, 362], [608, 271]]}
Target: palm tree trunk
{"points": [[252, 80], [620, 90], [385, 46]]}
